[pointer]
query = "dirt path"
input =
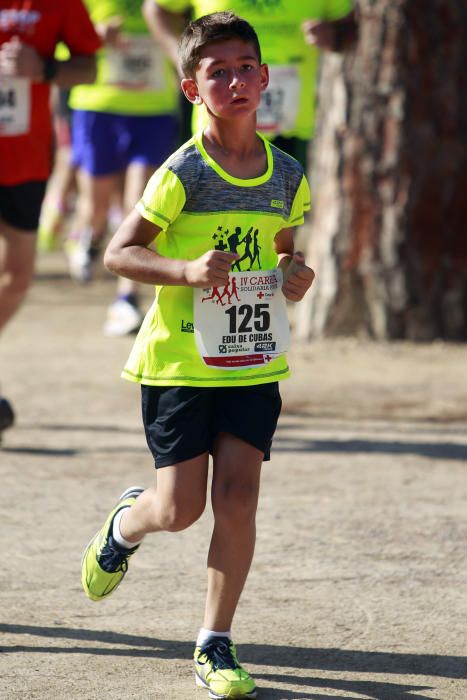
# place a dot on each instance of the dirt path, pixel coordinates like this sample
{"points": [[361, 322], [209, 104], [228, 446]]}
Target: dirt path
{"points": [[358, 587]]}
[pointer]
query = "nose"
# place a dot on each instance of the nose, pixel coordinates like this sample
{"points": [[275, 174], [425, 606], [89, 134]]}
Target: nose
{"points": [[237, 80]]}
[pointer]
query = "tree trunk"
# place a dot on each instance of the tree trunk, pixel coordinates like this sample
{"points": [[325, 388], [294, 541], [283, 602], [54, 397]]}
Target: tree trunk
{"points": [[389, 178]]}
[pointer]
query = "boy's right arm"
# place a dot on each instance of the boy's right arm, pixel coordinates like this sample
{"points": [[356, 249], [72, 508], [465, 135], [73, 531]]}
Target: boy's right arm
{"points": [[128, 255]]}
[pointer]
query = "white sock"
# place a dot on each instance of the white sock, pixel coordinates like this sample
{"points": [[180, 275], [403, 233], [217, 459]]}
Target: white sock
{"points": [[205, 634], [117, 535]]}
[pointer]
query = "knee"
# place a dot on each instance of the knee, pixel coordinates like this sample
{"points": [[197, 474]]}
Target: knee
{"points": [[17, 280], [235, 504], [178, 516]]}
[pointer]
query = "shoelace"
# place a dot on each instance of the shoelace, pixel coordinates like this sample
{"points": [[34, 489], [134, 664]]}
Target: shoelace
{"points": [[113, 558], [219, 653]]}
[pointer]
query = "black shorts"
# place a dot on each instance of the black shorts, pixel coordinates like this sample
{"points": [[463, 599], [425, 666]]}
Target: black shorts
{"points": [[20, 205], [181, 422]]}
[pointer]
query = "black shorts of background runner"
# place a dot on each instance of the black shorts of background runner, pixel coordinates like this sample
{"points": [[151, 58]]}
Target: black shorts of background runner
{"points": [[182, 422], [20, 205]]}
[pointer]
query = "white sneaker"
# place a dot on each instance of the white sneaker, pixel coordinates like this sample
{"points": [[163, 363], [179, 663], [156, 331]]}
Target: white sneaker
{"points": [[123, 318], [81, 254]]}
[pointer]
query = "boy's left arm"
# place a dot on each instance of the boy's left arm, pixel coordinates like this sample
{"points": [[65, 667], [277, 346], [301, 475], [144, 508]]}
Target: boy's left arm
{"points": [[298, 277]]}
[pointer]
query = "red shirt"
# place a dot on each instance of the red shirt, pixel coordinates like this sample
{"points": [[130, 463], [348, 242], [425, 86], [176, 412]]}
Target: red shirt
{"points": [[25, 120]]}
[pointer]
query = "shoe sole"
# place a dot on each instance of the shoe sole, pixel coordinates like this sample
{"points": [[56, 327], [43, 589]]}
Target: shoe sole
{"points": [[202, 684], [133, 490]]}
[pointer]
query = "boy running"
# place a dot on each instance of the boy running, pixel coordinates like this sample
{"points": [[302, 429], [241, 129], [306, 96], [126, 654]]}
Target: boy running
{"points": [[209, 363]]}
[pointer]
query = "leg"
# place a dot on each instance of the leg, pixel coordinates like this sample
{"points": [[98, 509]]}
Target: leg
{"points": [[94, 198], [136, 178], [17, 258], [95, 195], [17, 253], [20, 207], [177, 500], [235, 489], [56, 208]]}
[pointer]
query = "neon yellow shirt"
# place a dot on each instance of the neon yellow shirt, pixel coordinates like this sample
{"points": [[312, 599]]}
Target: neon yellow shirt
{"points": [[289, 102], [137, 81], [199, 206]]}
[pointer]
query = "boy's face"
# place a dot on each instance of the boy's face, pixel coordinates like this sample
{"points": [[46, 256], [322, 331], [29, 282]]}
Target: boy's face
{"points": [[229, 79]]}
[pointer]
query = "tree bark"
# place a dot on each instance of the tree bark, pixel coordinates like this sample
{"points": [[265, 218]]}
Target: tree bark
{"points": [[389, 178]]}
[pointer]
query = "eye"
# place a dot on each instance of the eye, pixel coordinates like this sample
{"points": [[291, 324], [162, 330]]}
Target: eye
{"points": [[218, 73], [247, 67]]}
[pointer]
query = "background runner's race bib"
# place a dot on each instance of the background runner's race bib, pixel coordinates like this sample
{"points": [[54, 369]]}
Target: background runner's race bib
{"points": [[278, 109], [15, 106], [138, 67], [243, 324]]}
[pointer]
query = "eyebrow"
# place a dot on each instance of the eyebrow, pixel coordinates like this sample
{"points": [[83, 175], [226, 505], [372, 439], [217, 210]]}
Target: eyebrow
{"points": [[240, 58]]}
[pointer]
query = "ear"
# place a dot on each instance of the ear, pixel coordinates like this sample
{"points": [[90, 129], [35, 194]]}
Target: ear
{"points": [[190, 90], [264, 76]]}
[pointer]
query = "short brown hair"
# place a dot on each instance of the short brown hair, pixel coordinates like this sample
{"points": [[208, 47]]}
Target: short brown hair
{"points": [[218, 26]]}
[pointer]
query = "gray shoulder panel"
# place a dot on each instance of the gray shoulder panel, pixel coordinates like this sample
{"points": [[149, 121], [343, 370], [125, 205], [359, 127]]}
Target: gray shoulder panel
{"points": [[186, 164], [206, 191]]}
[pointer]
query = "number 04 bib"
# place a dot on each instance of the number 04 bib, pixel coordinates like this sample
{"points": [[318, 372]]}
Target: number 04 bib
{"points": [[243, 324], [15, 106]]}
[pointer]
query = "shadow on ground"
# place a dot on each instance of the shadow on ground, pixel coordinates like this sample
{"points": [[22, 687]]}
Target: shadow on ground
{"points": [[302, 658], [433, 450]]}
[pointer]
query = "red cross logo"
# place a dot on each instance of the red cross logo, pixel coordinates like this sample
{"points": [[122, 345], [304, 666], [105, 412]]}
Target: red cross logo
{"points": [[260, 295]]}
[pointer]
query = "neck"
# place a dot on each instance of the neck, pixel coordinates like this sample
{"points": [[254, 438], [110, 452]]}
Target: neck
{"points": [[235, 140], [239, 151]]}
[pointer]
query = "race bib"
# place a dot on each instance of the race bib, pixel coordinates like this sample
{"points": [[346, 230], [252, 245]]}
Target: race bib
{"points": [[15, 106], [140, 66], [278, 109], [243, 324]]}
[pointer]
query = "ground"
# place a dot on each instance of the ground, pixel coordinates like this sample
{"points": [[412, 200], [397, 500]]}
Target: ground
{"points": [[358, 586]]}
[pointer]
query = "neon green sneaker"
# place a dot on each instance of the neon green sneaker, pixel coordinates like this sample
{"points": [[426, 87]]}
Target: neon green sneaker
{"points": [[50, 226], [104, 562], [218, 670]]}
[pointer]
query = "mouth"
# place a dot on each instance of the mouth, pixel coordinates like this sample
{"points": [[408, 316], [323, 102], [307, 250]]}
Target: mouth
{"points": [[239, 100]]}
